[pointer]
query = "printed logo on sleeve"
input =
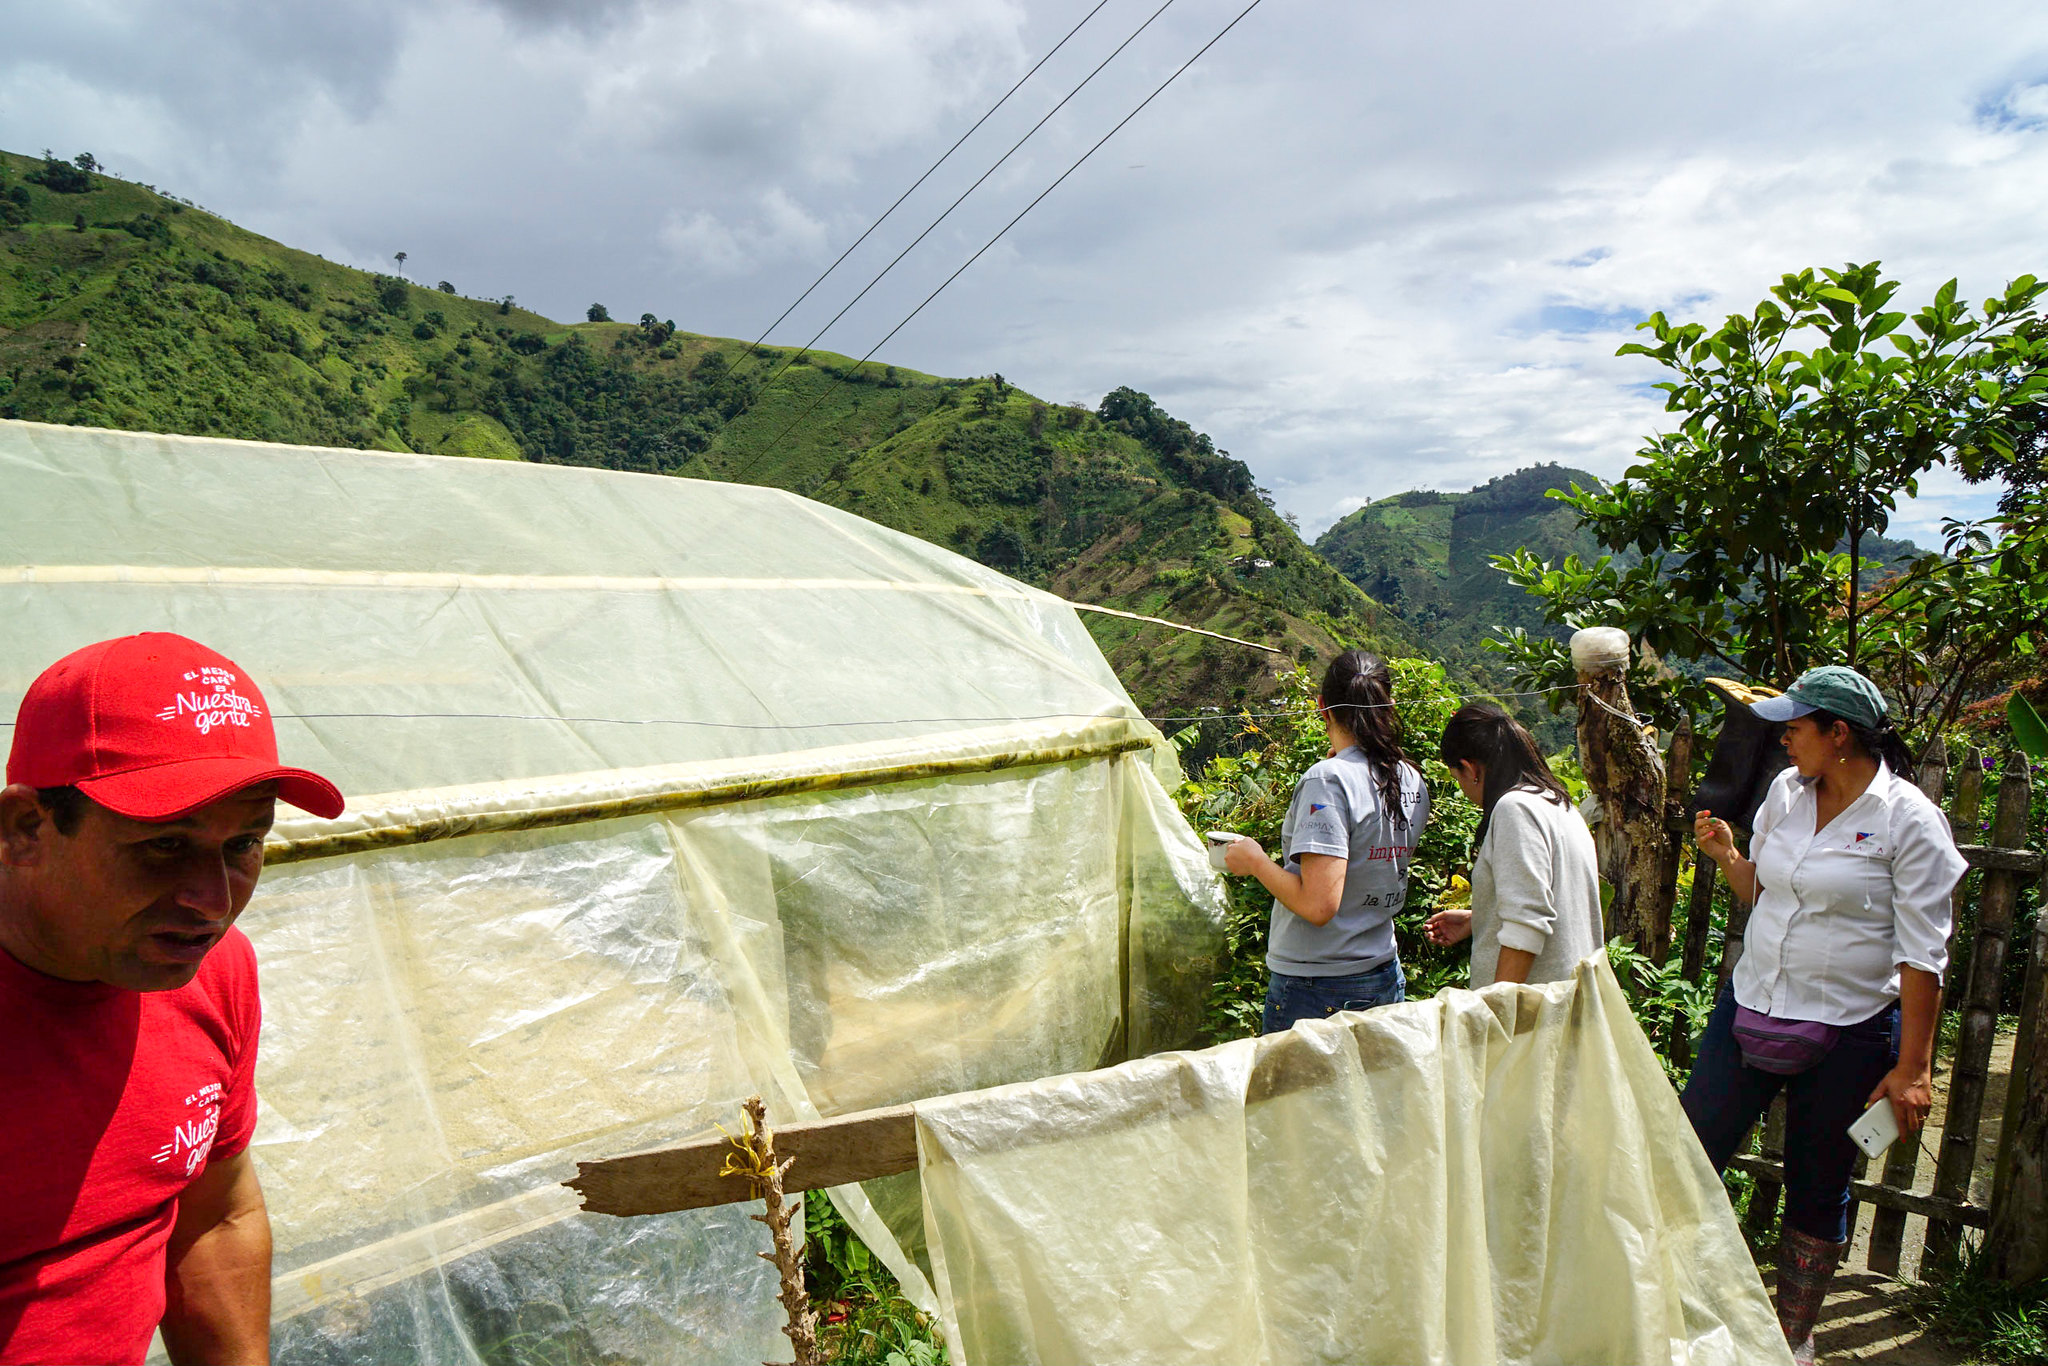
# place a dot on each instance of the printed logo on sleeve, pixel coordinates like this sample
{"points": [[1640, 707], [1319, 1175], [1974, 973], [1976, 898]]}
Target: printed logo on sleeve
{"points": [[213, 702], [1314, 807], [192, 1139]]}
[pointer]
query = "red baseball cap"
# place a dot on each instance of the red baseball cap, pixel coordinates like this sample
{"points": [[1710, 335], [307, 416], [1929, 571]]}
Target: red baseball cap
{"points": [[152, 727]]}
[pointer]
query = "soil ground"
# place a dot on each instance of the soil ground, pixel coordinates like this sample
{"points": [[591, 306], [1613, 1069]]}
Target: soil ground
{"points": [[1863, 1319]]}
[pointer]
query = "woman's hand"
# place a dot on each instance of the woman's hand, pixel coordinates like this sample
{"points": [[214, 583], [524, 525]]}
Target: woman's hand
{"points": [[1911, 1094], [1448, 927], [1244, 857], [1714, 837]]}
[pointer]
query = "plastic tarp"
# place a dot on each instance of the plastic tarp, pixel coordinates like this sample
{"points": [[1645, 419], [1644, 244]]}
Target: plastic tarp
{"points": [[1499, 1176], [661, 793]]}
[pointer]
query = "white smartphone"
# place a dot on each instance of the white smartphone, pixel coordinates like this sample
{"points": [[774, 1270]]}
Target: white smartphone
{"points": [[1877, 1130]]}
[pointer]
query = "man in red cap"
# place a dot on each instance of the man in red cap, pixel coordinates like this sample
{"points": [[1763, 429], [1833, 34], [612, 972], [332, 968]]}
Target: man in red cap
{"points": [[140, 783]]}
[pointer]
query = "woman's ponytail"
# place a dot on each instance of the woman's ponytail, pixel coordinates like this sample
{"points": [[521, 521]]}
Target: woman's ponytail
{"points": [[1358, 694]]}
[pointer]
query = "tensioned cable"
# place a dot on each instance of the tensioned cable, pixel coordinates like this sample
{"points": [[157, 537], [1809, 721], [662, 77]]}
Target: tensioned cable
{"points": [[756, 343], [804, 350], [840, 378], [835, 725]]}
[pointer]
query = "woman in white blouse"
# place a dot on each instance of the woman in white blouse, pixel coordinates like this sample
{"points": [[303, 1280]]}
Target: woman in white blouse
{"points": [[1837, 994]]}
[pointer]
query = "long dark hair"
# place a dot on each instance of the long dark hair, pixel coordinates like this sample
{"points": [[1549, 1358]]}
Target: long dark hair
{"points": [[1879, 741], [1358, 694], [1481, 733]]}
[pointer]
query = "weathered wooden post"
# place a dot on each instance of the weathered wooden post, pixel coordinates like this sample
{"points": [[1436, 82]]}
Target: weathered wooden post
{"points": [[1902, 1160], [1980, 1013], [1623, 769], [2018, 1241]]}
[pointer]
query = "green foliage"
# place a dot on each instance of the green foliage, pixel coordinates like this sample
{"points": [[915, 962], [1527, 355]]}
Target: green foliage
{"points": [[63, 177], [1248, 791], [2029, 732], [989, 462], [597, 313], [1781, 457], [1663, 1000], [1974, 1310], [864, 1319]]}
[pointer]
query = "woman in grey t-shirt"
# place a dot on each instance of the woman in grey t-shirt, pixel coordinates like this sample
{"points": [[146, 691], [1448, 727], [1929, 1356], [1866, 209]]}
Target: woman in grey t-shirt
{"points": [[1346, 844], [1535, 880]]}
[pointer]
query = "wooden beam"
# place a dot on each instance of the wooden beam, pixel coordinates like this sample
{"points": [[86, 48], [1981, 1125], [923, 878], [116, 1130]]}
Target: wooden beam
{"points": [[826, 1152], [1991, 857], [1884, 1197]]}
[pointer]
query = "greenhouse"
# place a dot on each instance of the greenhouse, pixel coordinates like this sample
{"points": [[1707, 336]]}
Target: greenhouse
{"points": [[661, 793]]}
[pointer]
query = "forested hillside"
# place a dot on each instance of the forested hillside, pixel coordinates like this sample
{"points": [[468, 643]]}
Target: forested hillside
{"points": [[1428, 557], [120, 307]]}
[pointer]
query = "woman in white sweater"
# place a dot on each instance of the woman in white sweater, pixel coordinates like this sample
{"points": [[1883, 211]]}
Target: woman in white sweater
{"points": [[1535, 880]]}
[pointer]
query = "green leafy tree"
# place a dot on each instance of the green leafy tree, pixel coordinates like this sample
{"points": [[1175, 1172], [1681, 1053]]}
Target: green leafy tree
{"points": [[597, 313], [1783, 456], [445, 287]]}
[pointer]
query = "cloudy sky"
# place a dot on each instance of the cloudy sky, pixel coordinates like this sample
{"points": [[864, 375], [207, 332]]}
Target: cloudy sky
{"points": [[1369, 246]]}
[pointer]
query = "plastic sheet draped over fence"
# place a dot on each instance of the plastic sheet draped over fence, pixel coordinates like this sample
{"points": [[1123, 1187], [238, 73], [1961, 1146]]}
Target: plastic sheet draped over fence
{"points": [[1480, 1177], [661, 793]]}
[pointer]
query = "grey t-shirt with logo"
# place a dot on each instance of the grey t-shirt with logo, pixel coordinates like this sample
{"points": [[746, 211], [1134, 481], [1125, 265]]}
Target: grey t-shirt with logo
{"points": [[1336, 810]]}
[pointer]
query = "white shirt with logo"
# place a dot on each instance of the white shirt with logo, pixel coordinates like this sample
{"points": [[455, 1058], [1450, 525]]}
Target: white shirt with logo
{"points": [[1840, 910]]}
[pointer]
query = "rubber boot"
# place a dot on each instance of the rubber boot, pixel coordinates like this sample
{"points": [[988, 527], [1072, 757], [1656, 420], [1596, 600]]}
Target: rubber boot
{"points": [[1805, 1266]]}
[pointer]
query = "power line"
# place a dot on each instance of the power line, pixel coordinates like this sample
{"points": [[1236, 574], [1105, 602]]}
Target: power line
{"points": [[839, 379], [756, 343], [840, 725], [932, 227]]}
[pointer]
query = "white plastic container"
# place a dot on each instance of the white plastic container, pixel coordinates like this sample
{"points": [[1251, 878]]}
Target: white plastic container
{"points": [[1219, 841]]}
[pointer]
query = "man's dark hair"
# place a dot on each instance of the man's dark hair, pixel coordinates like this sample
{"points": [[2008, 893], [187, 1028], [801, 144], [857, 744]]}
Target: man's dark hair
{"points": [[66, 806]]}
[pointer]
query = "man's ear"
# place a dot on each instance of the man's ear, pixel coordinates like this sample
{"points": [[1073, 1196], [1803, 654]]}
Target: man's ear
{"points": [[25, 827]]}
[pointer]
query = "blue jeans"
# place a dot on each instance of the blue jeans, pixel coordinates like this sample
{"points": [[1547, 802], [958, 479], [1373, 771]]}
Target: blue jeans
{"points": [[1724, 1097], [1291, 998]]}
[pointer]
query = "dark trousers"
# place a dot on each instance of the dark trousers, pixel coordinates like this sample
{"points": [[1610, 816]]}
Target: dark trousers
{"points": [[1290, 998], [1724, 1098]]}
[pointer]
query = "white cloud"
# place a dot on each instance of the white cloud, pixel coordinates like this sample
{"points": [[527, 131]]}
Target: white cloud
{"points": [[1367, 247]]}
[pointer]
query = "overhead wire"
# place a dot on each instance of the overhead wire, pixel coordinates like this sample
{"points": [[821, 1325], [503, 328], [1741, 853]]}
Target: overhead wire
{"points": [[840, 379], [755, 345], [932, 227], [840, 725]]}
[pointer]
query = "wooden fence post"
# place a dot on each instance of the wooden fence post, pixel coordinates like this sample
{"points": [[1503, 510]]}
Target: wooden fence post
{"points": [[1624, 770], [1969, 807], [2018, 1241], [1980, 1012], [1902, 1162]]}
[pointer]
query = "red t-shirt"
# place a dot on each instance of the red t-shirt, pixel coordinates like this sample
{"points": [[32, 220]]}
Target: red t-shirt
{"points": [[117, 1100]]}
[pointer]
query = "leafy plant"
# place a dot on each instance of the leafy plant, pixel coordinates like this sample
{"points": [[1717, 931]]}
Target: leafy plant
{"points": [[1248, 791], [865, 1321], [2029, 732], [1751, 517], [1976, 1311]]}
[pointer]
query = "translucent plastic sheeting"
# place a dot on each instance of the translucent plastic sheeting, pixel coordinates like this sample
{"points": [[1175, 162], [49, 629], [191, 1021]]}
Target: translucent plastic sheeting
{"points": [[1501, 1176], [452, 1023]]}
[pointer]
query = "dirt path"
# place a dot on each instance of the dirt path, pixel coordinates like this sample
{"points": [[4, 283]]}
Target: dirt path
{"points": [[1862, 1321]]}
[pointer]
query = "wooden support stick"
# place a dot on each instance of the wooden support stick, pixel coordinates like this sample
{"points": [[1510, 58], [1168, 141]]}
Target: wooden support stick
{"points": [[1995, 904], [817, 1155], [1902, 1163], [751, 1158]]}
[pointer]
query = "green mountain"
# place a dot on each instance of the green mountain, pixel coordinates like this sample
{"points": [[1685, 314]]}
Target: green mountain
{"points": [[122, 307], [1425, 555]]}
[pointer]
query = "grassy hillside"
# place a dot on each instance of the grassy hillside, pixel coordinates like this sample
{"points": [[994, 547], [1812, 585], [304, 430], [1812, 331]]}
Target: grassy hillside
{"points": [[120, 307], [1425, 555]]}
